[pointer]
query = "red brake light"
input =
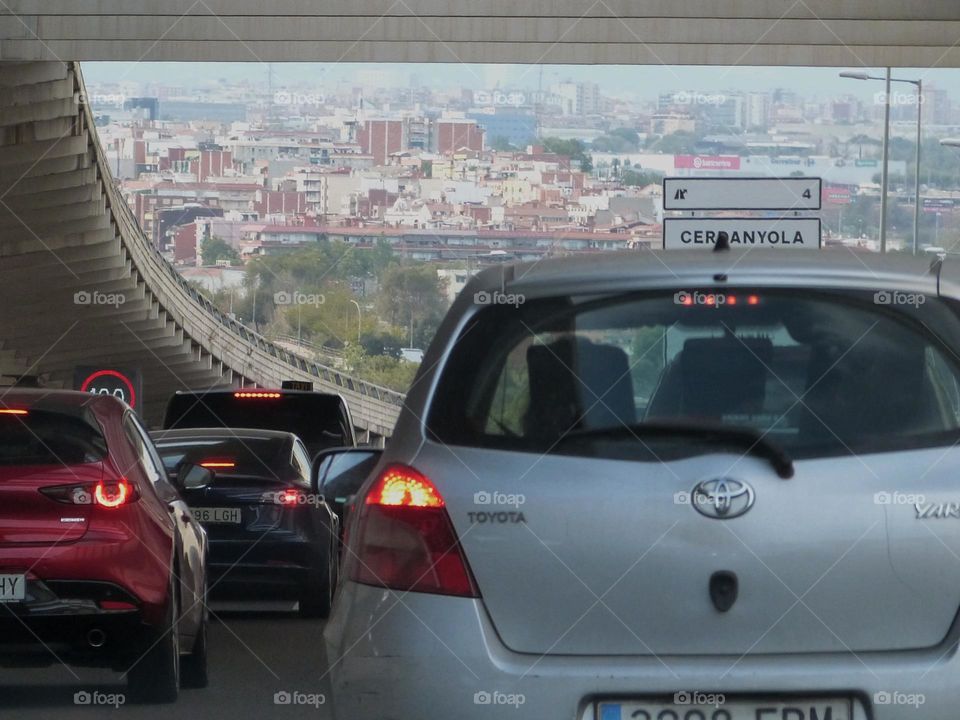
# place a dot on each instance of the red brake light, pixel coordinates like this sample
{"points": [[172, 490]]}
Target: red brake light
{"points": [[404, 486], [406, 541], [288, 497], [257, 394], [113, 494], [753, 300], [105, 494], [12, 411], [731, 299], [218, 464]]}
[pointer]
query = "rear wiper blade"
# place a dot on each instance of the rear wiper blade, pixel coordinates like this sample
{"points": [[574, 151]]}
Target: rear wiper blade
{"points": [[751, 440]]}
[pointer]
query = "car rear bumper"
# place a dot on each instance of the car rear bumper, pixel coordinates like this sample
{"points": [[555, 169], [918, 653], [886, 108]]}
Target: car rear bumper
{"points": [[386, 665], [65, 622], [239, 569]]}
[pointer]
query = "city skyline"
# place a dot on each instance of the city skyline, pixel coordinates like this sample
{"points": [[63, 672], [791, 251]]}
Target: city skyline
{"points": [[631, 83]]}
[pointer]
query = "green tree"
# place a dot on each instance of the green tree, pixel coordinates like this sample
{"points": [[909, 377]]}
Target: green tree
{"points": [[678, 143], [641, 178], [381, 369], [215, 249], [412, 296], [381, 343], [628, 134], [574, 149]]}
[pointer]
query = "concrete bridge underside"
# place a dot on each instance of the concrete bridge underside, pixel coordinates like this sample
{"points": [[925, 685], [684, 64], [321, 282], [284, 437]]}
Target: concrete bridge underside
{"points": [[918, 33], [65, 229], [67, 236]]}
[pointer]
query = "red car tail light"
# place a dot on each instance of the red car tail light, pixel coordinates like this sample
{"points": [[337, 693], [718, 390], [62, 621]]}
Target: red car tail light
{"points": [[113, 494], [108, 495], [12, 411], [406, 540], [218, 464], [289, 497], [257, 395]]}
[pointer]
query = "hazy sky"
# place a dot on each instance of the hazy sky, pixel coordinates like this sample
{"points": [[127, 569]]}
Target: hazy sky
{"points": [[640, 81]]}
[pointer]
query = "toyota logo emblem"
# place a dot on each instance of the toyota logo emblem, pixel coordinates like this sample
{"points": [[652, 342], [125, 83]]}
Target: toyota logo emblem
{"points": [[722, 498]]}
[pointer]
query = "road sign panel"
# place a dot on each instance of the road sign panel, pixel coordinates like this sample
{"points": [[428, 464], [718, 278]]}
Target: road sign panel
{"points": [[792, 193], [123, 383], [795, 233]]}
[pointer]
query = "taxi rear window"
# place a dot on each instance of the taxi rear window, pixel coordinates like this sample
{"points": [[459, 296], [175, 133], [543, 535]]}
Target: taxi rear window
{"points": [[812, 371]]}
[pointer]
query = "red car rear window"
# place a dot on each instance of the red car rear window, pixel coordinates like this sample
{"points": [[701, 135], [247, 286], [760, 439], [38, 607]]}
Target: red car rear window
{"points": [[49, 438]]}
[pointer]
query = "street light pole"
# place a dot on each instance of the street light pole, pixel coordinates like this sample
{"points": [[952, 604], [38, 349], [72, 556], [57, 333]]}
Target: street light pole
{"points": [[359, 320], [885, 181], [916, 209], [885, 177]]}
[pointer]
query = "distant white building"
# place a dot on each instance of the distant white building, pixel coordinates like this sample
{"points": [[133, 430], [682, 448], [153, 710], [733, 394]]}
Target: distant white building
{"points": [[455, 281]]}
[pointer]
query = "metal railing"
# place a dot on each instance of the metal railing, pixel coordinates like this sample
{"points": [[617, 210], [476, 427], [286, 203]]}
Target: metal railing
{"points": [[242, 349]]}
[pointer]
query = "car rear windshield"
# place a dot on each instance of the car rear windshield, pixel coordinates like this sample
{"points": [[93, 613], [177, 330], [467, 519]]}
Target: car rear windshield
{"points": [[49, 438], [230, 457], [816, 373], [315, 418]]}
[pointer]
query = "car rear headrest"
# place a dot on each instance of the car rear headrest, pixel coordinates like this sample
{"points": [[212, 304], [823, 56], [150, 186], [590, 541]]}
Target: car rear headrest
{"points": [[577, 383], [724, 376]]}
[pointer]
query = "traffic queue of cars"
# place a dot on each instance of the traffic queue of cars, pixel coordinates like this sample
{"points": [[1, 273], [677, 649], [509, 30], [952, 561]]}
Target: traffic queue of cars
{"points": [[113, 540], [661, 485]]}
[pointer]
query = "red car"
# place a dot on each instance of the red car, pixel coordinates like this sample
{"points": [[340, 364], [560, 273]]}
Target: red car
{"points": [[101, 562]]}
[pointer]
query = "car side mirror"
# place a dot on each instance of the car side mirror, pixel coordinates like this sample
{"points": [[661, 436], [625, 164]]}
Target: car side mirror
{"points": [[333, 462], [193, 477]]}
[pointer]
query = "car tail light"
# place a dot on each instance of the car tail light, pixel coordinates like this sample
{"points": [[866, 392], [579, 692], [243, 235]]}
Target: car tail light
{"points": [[218, 464], [289, 497], [113, 494], [13, 411], [257, 395], [109, 495], [405, 539]]}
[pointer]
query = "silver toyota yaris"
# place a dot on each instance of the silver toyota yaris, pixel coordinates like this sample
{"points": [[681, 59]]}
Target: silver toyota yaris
{"points": [[668, 486]]}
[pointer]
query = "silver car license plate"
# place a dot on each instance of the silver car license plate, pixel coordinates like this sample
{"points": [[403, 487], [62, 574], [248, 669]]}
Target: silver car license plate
{"points": [[217, 516], [722, 709]]}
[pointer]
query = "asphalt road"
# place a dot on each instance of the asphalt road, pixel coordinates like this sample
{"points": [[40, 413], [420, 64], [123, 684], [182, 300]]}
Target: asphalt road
{"points": [[253, 656]]}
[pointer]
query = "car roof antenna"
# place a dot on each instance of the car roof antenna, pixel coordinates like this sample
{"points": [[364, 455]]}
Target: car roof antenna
{"points": [[723, 242]]}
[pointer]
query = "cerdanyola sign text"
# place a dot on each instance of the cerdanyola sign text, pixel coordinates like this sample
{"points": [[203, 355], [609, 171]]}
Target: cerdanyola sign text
{"points": [[793, 233]]}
